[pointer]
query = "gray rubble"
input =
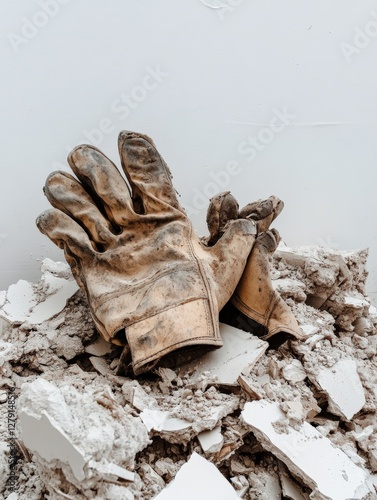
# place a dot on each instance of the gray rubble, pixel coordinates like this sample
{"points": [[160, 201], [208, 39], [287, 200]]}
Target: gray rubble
{"points": [[297, 422]]}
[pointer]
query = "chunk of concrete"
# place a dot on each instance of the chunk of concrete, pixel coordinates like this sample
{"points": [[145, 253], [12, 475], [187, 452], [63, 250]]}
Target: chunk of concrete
{"points": [[237, 356], [45, 437], [211, 441], [343, 386], [307, 454], [38, 303], [198, 479]]}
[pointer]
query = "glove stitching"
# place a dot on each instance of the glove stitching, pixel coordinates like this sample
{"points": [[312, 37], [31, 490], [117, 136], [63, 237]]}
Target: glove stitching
{"points": [[198, 340], [113, 295], [210, 309]]}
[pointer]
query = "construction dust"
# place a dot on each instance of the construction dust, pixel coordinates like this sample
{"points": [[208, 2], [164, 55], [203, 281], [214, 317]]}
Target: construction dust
{"points": [[244, 421]]}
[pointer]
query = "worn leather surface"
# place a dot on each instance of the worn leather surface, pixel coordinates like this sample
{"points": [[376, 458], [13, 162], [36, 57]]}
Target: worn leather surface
{"points": [[150, 282], [255, 296]]}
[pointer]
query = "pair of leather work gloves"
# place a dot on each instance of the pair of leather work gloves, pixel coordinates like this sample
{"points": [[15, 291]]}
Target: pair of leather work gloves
{"points": [[152, 285]]}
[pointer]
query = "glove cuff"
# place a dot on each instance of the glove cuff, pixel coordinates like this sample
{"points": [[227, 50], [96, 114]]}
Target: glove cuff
{"points": [[179, 327], [156, 335]]}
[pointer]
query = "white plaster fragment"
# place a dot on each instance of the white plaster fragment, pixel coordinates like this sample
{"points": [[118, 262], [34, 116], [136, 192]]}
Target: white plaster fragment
{"points": [[136, 395], [356, 302], [37, 303], [100, 365], [45, 437], [241, 485], [162, 421], [198, 479], [291, 490], [294, 372], [112, 471], [12, 496], [272, 487], [98, 348], [342, 384], [237, 356], [309, 329], [307, 454], [211, 441]]}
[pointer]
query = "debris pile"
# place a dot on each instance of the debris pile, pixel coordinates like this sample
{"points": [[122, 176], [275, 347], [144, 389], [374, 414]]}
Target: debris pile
{"points": [[244, 421]]}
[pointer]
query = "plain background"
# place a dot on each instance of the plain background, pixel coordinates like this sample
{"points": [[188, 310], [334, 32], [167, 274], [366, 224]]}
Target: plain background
{"points": [[219, 72]]}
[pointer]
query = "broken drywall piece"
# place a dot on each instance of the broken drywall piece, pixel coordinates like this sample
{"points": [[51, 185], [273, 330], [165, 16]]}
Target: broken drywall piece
{"points": [[291, 491], [162, 421], [211, 441], [99, 347], [100, 365], [45, 437], [250, 387], [241, 485], [198, 479], [37, 303], [237, 356], [112, 471], [264, 484], [307, 454], [343, 386]]}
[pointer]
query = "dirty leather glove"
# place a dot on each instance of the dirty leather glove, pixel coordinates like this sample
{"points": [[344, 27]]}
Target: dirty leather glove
{"points": [[255, 306], [150, 283]]}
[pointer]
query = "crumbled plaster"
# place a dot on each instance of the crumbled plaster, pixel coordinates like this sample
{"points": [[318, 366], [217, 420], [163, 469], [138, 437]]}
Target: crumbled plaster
{"points": [[121, 438]]}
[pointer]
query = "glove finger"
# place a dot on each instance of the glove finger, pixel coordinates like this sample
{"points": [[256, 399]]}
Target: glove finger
{"points": [[147, 173], [222, 208], [230, 256], [264, 211], [68, 195], [104, 182], [65, 233]]}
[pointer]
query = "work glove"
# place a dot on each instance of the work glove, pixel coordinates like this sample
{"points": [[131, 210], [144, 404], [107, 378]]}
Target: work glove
{"points": [[255, 305], [151, 285]]}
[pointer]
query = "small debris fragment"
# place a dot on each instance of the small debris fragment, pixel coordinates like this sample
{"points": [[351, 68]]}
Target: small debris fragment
{"points": [[291, 490], [294, 372], [342, 384], [237, 356], [100, 365], [112, 471], [198, 479], [98, 348], [162, 421], [211, 441]]}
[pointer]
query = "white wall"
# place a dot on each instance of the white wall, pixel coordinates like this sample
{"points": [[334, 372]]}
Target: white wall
{"points": [[223, 73]]}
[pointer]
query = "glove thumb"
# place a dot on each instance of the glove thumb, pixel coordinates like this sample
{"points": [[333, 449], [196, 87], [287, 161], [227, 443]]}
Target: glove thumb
{"points": [[230, 255]]}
